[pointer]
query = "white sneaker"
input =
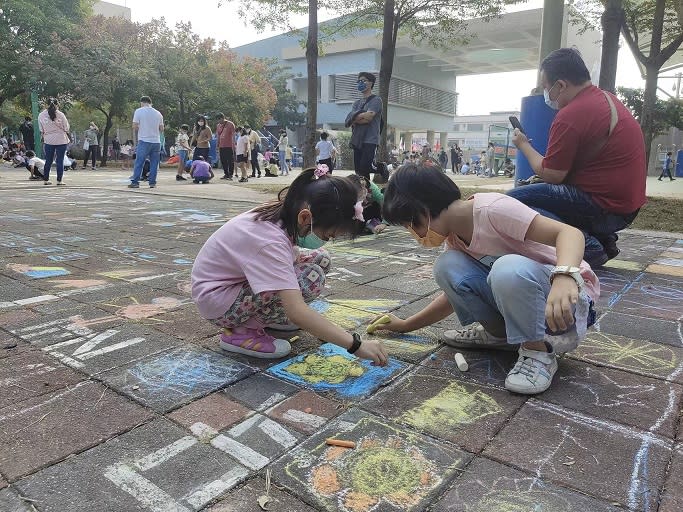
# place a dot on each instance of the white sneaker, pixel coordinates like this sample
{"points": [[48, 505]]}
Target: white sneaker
{"points": [[475, 336], [288, 327], [533, 372]]}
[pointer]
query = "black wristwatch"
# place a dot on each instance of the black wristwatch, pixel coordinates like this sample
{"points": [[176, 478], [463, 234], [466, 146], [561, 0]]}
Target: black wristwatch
{"points": [[355, 345]]}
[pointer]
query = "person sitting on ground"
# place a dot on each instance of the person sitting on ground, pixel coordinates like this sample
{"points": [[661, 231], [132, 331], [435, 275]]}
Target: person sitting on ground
{"points": [[465, 169], [594, 168], [35, 166], [271, 169], [372, 199], [201, 171], [513, 277]]}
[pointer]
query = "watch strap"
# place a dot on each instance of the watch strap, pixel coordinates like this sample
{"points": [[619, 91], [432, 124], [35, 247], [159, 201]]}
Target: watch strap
{"points": [[356, 343]]}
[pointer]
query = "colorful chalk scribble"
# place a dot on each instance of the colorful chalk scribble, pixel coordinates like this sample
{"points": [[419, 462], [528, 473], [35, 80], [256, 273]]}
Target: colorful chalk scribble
{"points": [[333, 369], [38, 272], [136, 310]]}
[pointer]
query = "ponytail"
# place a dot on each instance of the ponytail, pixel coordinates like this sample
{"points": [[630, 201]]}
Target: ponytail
{"points": [[52, 109]]}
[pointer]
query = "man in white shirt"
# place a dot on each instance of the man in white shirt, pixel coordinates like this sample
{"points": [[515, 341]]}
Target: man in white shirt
{"points": [[34, 165], [148, 124], [325, 151]]}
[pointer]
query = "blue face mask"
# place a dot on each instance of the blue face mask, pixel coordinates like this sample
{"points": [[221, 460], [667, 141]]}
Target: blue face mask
{"points": [[310, 241], [361, 86]]}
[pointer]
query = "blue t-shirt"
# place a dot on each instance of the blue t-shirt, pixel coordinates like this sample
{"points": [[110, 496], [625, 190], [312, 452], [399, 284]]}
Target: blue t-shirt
{"points": [[667, 163]]}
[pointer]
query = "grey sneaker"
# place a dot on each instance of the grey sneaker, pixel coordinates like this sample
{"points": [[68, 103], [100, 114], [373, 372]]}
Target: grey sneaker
{"points": [[533, 372], [475, 336]]}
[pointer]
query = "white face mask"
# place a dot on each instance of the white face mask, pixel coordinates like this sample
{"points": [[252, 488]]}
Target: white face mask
{"points": [[551, 103]]}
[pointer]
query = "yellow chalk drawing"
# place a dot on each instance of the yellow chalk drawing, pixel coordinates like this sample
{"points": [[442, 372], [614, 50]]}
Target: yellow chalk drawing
{"points": [[390, 470], [452, 407], [627, 353], [78, 283], [331, 369], [668, 270], [624, 264], [370, 305], [522, 501], [125, 274]]}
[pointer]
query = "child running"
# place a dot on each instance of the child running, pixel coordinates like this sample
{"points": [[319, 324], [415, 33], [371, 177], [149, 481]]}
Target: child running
{"points": [[514, 278], [251, 274]]}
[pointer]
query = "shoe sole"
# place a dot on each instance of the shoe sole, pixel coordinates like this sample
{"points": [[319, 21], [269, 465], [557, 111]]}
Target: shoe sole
{"points": [[527, 391], [479, 346], [283, 328], [228, 347]]}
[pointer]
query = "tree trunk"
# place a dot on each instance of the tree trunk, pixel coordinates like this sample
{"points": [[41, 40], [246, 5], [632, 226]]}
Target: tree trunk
{"points": [[181, 103], [611, 20], [386, 69], [312, 68], [649, 101], [104, 143]]}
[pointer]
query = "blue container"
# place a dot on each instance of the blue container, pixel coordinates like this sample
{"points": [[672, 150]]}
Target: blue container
{"points": [[536, 118], [213, 152], [679, 163]]}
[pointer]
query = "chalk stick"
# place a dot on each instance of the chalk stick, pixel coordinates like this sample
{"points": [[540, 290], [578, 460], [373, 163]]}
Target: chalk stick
{"points": [[460, 361], [293, 339], [340, 442], [380, 321]]}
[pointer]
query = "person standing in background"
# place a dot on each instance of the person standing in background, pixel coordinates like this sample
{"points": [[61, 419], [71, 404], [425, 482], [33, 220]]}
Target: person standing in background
{"points": [[201, 139], [666, 167], [254, 149], [116, 148], [282, 146], [27, 134], [325, 151], [148, 123], [92, 136], [182, 142], [225, 130], [54, 127]]}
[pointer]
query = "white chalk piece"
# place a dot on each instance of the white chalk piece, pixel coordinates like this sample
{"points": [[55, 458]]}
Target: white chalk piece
{"points": [[460, 361]]}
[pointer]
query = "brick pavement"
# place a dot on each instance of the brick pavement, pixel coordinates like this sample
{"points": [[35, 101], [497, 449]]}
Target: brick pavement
{"points": [[115, 396]]}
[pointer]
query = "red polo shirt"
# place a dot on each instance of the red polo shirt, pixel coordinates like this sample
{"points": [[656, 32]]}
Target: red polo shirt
{"points": [[615, 177], [226, 134]]}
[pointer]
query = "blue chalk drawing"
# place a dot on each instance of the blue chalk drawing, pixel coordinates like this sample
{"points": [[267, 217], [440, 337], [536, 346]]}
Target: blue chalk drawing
{"points": [[333, 369], [69, 256], [45, 272], [183, 261], [44, 250], [72, 239]]}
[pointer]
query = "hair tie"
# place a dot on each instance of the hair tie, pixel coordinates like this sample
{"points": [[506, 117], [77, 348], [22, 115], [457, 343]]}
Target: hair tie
{"points": [[358, 211], [320, 170]]}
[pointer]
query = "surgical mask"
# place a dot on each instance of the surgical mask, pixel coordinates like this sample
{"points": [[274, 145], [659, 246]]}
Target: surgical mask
{"points": [[310, 241], [431, 240], [201, 124], [361, 86], [551, 103]]}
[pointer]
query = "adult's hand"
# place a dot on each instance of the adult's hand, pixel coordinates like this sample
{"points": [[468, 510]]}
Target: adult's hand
{"points": [[518, 138]]}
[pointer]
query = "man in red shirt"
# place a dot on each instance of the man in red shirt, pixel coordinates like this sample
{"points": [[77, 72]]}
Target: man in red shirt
{"points": [[225, 131], [594, 168]]}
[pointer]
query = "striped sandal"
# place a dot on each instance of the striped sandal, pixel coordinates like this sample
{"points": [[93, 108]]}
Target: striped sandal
{"points": [[254, 342]]}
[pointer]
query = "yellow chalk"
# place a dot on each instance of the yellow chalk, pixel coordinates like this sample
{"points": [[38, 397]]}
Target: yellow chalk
{"points": [[380, 321], [293, 339]]}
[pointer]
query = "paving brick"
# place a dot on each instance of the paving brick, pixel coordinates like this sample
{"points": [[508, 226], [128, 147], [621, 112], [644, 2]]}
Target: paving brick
{"points": [[637, 356], [487, 485], [332, 369], [47, 428], [391, 469], [641, 328], [345, 317], [261, 392], [245, 499], [594, 456], [32, 373], [619, 396], [672, 497], [10, 345], [465, 414], [411, 346], [186, 324], [155, 467], [306, 411], [653, 296], [10, 501], [420, 281], [371, 299], [216, 410]]}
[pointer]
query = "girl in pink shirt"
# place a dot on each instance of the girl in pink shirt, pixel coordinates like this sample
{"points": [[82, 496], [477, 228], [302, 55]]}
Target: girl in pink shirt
{"points": [[262, 267], [514, 278]]}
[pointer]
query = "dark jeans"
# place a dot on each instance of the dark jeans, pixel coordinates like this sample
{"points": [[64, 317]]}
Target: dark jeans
{"points": [[328, 162], [575, 207], [54, 154], [666, 172], [92, 152], [201, 152], [254, 163], [227, 156], [363, 158]]}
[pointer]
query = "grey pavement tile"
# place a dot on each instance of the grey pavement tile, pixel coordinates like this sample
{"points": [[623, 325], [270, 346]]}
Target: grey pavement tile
{"points": [[47, 428], [157, 466], [592, 455], [170, 379], [11, 345], [32, 373], [260, 391], [390, 469], [418, 281], [672, 496], [411, 346], [372, 299], [462, 413], [305, 411], [10, 501], [216, 411], [186, 324], [245, 499], [488, 486], [615, 395], [653, 296]]}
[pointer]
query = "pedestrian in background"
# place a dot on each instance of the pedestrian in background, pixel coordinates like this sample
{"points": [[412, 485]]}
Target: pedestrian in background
{"points": [[54, 128]]}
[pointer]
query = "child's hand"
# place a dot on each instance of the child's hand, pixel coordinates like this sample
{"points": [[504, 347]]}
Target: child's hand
{"points": [[564, 294], [373, 349], [394, 324], [379, 228]]}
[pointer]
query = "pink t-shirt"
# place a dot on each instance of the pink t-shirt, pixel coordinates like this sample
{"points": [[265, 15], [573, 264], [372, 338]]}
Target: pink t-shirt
{"points": [[242, 250], [500, 227]]}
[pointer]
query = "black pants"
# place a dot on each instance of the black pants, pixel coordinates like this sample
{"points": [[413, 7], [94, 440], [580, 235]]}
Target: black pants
{"points": [[328, 162], [254, 163], [201, 152], [363, 158], [91, 152], [227, 156], [666, 172]]}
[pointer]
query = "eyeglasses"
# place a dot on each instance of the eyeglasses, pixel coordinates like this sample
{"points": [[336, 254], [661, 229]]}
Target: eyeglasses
{"points": [[364, 81]]}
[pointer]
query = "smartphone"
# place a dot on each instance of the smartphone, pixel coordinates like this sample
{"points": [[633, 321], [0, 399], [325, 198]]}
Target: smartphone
{"points": [[516, 124]]}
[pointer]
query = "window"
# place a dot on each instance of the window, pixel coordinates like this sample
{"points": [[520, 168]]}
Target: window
{"points": [[475, 127]]}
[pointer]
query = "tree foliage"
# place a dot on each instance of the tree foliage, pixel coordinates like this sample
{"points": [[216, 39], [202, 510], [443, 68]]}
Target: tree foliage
{"points": [[667, 113]]}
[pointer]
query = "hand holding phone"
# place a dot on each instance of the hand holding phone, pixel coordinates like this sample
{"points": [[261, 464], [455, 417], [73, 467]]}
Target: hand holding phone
{"points": [[516, 124]]}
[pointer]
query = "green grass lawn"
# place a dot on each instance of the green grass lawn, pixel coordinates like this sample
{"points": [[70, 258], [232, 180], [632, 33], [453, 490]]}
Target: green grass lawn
{"points": [[659, 214]]}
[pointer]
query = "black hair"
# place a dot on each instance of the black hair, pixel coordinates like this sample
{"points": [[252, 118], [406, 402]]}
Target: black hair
{"points": [[52, 108], [27, 118], [330, 199], [324, 135], [146, 99], [669, 153], [220, 115], [196, 124], [247, 127], [416, 190], [369, 76], [30, 154], [184, 127], [565, 64], [243, 131]]}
